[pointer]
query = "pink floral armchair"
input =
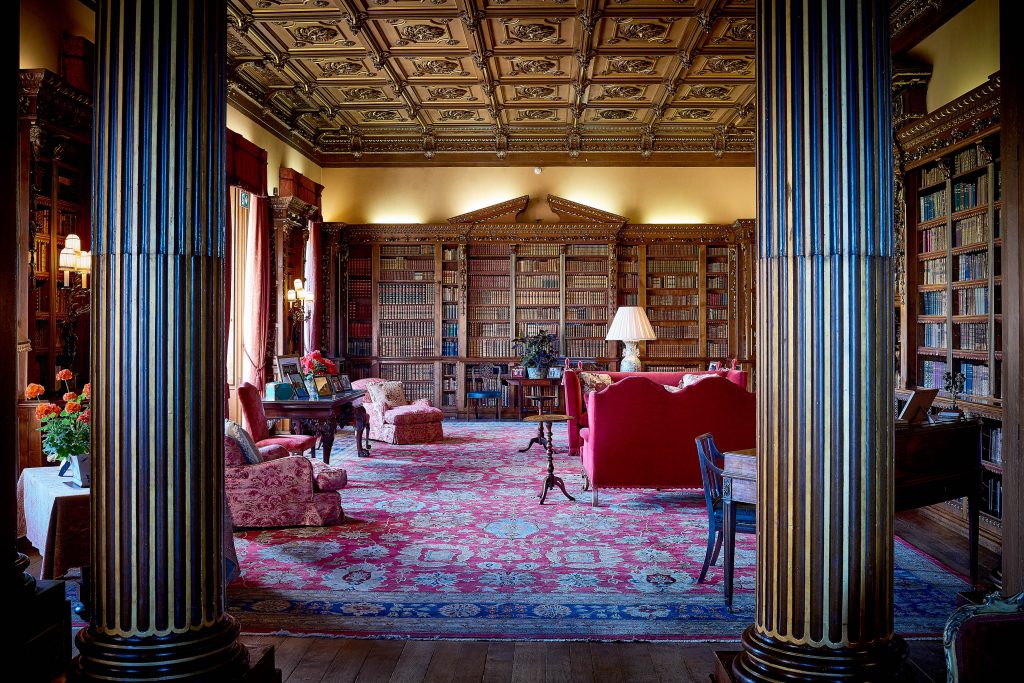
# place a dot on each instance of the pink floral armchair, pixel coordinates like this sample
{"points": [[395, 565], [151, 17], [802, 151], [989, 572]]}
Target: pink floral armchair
{"points": [[417, 422], [282, 489]]}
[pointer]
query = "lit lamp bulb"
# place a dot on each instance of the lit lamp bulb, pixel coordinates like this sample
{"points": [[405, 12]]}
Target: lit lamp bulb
{"points": [[297, 284], [68, 261], [85, 266]]}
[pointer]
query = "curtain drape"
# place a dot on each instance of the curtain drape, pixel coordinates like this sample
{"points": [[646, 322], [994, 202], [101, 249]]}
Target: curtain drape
{"points": [[313, 283], [256, 310]]}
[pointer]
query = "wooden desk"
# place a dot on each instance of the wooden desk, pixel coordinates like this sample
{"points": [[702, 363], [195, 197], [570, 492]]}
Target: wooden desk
{"points": [[933, 463], [519, 386], [323, 417]]}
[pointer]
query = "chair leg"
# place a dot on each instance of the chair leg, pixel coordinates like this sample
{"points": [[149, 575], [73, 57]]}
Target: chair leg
{"points": [[718, 547], [586, 481], [476, 410], [593, 498], [708, 561], [497, 409]]}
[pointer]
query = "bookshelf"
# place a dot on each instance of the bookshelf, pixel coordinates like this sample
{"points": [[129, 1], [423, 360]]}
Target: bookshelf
{"points": [[55, 177], [431, 302], [952, 318]]}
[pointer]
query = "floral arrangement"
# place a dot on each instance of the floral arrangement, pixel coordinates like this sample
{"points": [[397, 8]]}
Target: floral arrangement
{"points": [[65, 430], [315, 364]]}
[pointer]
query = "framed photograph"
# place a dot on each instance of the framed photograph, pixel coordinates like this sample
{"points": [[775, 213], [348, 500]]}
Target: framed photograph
{"points": [[916, 409], [286, 365], [715, 365], [336, 386], [299, 385], [323, 387], [518, 371], [346, 384], [555, 373]]}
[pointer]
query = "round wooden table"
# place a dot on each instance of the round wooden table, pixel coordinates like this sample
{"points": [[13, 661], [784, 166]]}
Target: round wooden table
{"points": [[551, 481]]}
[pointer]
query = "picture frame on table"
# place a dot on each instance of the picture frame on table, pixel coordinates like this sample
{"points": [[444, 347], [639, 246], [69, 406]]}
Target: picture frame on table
{"points": [[323, 387], [286, 365], [346, 383], [299, 385], [715, 365], [555, 373], [336, 385], [518, 371]]}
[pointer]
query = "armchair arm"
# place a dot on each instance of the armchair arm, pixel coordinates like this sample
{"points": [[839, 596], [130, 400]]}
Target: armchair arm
{"points": [[574, 408], [273, 452], [374, 413], [293, 474], [423, 402]]}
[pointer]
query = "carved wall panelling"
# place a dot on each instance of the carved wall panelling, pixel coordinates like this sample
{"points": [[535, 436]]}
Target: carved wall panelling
{"points": [[290, 218]]}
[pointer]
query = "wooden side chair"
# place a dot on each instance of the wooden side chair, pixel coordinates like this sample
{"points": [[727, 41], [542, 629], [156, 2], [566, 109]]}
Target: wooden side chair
{"points": [[711, 461], [484, 384]]}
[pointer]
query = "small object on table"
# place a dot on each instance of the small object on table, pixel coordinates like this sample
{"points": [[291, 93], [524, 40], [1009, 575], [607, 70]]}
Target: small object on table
{"points": [[551, 481], [322, 418], [539, 401]]}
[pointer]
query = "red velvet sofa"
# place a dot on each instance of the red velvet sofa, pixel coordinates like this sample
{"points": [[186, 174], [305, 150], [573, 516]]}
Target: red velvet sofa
{"points": [[576, 407], [640, 435]]}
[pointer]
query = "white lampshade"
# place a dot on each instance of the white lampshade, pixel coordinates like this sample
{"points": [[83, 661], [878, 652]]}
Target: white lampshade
{"points": [[68, 259], [630, 324], [73, 242], [298, 285], [307, 295], [291, 295], [85, 262]]}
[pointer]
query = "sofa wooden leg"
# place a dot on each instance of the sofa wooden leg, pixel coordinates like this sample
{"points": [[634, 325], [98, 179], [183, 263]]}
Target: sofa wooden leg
{"points": [[593, 497], [586, 481]]}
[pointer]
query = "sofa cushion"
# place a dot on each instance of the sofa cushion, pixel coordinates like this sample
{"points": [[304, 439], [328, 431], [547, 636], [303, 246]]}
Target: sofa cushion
{"points": [[388, 394], [233, 456], [413, 415], [273, 452], [328, 478], [594, 381], [250, 452], [689, 380], [671, 389]]}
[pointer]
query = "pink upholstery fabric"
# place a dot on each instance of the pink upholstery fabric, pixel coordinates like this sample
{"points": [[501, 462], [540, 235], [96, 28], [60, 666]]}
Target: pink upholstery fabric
{"points": [[413, 415], [641, 436], [279, 492], [418, 422], [252, 410], [273, 452], [328, 478], [576, 407]]}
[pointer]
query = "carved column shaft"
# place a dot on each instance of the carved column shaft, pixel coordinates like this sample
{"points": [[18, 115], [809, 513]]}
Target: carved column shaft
{"points": [[158, 378], [825, 322]]}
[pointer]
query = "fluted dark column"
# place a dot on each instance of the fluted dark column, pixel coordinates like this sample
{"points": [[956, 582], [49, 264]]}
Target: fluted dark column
{"points": [[825, 326], [158, 373]]}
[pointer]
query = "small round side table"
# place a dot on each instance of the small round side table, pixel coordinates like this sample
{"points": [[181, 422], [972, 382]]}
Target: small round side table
{"points": [[551, 481], [540, 402]]}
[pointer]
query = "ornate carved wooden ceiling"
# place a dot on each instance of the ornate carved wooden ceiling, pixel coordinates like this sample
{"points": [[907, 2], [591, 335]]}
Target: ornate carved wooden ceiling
{"points": [[405, 82]]}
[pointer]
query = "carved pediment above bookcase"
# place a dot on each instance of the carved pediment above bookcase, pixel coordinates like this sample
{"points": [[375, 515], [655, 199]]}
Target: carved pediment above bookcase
{"points": [[569, 210], [545, 232], [641, 233], [504, 212], [385, 233]]}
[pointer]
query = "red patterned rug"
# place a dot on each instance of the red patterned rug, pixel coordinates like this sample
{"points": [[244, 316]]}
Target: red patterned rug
{"points": [[448, 541]]}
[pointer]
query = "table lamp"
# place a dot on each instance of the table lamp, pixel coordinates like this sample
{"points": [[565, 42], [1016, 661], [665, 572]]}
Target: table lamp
{"points": [[630, 326]]}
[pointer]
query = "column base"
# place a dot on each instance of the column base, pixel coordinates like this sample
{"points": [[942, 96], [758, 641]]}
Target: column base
{"points": [[212, 653], [767, 659]]}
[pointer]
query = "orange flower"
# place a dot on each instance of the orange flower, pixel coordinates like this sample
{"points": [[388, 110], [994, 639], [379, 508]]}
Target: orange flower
{"points": [[70, 396], [44, 410], [64, 375], [71, 408], [87, 391], [34, 390], [85, 417]]}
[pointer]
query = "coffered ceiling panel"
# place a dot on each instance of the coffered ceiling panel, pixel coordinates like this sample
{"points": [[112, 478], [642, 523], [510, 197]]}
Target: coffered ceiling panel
{"points": [[410, 82]]}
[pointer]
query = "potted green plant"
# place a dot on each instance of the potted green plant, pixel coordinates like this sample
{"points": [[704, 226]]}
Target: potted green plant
{"points": [[536, 353], [65, 429]]}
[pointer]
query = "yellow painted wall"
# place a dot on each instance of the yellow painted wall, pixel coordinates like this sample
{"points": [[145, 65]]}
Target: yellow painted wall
{"points": [[644, 195], [278, 153], [963, 52], [43, 22]]}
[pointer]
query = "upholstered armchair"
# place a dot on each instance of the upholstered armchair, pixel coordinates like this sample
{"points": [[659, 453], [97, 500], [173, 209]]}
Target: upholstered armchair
{"points": [[415, 422], [252, 408], [280, 489]]}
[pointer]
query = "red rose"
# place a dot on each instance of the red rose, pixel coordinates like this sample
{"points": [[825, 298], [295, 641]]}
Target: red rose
{"points": [[71, 408], [85, 417], [70, 396], [34, 390], [64, 375]]}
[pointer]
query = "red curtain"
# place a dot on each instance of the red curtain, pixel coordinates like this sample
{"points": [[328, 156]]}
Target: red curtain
{"points": [[256, 310], [313, 283], [246, 164]]}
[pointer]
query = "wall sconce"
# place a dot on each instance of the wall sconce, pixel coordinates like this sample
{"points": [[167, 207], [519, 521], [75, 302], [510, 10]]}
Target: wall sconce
{"points": [[73, 260], [300, 301]]}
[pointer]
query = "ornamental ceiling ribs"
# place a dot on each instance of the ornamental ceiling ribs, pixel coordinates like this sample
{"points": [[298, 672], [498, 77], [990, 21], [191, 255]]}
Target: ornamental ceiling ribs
{"points": [[447, 82]]}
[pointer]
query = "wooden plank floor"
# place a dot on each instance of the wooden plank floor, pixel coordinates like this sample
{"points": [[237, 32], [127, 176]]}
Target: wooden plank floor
{"points": [[339, 660]]}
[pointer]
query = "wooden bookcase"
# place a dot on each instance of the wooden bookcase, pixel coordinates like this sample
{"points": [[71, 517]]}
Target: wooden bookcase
{"points": [[55, 176], [428, 303], [952, 316]]}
